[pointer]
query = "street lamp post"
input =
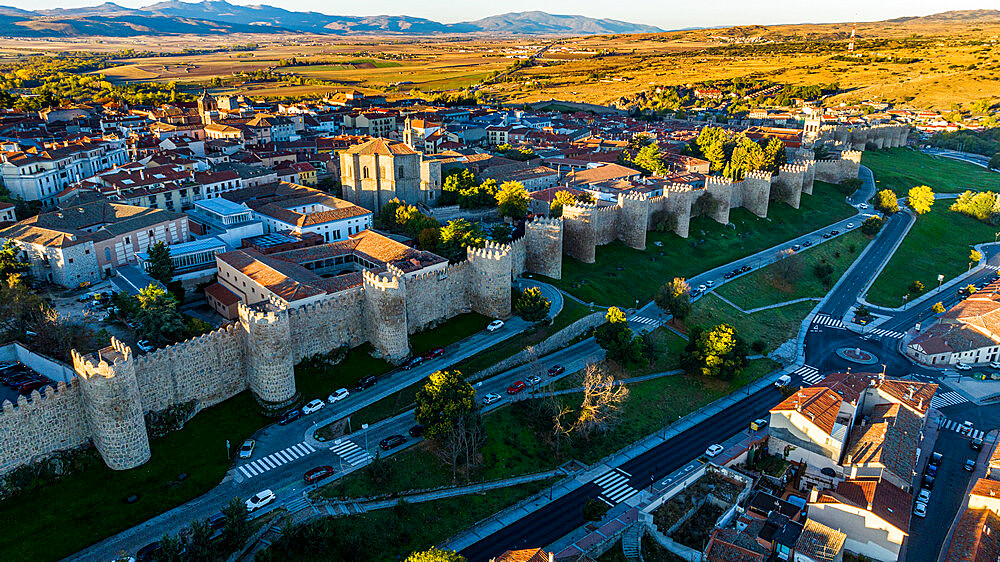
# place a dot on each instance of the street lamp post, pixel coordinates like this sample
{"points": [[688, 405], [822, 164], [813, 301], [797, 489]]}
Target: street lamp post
{"points": [[364, 426], [905, 298]]}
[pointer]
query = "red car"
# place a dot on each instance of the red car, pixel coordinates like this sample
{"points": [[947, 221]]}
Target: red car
{"points": [[318, 473], [556, 370], [436, 352], [516, 387], [29, 386]]}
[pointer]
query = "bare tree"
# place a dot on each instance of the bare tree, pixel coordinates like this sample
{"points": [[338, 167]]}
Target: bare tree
{"points": [[784, 271], [602, 400], [463, 443], [562, 427]]}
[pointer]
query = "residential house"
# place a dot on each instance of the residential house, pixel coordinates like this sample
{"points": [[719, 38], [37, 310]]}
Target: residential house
{"points": [[819, 543], [968, 332], [873, 513]]}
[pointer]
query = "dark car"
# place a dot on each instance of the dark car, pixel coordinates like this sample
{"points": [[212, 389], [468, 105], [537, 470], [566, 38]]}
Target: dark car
{"points": [[970, 465], [556, 370], [318, 473], [434, 353], [976, 444], [834, 232], [391, 441], [935, 458], [417, 430], [729, 275], [32, 385], [826, 235], [290, 416], [746, 268], [807, 243], [928, 482], [217, 521], [931, 469], [415, 362], [148, 552], [365, 382]]}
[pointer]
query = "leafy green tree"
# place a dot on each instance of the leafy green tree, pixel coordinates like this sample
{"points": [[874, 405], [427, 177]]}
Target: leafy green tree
{"points": [[512, 200], [454, 183], [159, 321], [916, 287], [849, 185], [675, 297], [237, 524], [478, 196], [871, 226], [938, 308], [886, 202], [435, 555], [595, 510], [617, 339], [718, 352], [920, 199], [446, 398], [387, 216], [774, 155], [9, 261], [429, 238], [199, 544], [502, 232], [561, 199], [458, 235], [994, 163], [171, 549], [531, 305], [161, 267], [649, 160]]}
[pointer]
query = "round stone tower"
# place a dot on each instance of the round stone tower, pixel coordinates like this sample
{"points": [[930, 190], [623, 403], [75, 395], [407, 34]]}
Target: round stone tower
{"points": [[633, 219], [385, 311], [113, 406], [270, 370], [489, 285], [544, 247]]}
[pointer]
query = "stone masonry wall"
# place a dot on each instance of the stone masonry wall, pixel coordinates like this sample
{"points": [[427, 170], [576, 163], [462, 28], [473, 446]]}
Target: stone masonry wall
{"points": [[544, 242], [756, 188], [49, 421], [436, 296], [787, 186], [579, 240], [554, 342], [633, 219], [270, 371], [385, 299], [490, 280], [327, 324]]}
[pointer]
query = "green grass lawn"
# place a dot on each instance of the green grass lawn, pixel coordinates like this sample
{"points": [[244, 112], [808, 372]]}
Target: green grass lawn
{"points": [[939, 243], [900, 169], [519, 439], [773, 326], [622, 274], [391, 534], [763, 287], [66, 516]]}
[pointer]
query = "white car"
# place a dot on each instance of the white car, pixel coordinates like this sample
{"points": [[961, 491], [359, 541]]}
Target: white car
{"points": [[863, 206], [338, 395], [314, 406], [920, 509], [246, 449], [259, 500], [783, 380], [924, 496], [962, 366], [491, 398], [144, 345], [702, 288], [533, 380], [850, 225], [494, 326], [714, 450], [995, 364]]}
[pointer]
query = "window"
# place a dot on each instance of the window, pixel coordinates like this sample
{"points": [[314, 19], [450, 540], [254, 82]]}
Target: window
{"points": [[365, 172], [400, 171]]}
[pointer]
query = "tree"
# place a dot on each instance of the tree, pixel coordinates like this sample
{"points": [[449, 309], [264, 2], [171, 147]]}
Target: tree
{"points": [[649, 160], [886, 202], [512, 200], [871, 226], [938, 308], [531, 305], [9, 261], [602, 402], [994, 162], [435, 555], [785, 271], [595, 510], [617, 339], [477, 196], [454, 183], [502, 232], [916, 287], [387, 216], [199, 544], [458, 235], [675, 297], [161, 267], [920, 199], [159, 321], [561, 199], [446, 398], [975, 256], [171, 549], [718, 352], [429, 238], [849, 185], [774, 155]]}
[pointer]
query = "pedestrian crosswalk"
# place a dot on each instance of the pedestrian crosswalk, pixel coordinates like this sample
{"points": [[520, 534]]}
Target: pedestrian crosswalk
{"points": [[809, 374], [351, 452], [274, 460], [615, 487], [944, 399], [886, 333], [953, 425], [644, 320], [827, 320]]}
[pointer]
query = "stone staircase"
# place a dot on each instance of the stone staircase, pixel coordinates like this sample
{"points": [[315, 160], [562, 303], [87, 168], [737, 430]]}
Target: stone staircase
{"points": [[632, 542]]}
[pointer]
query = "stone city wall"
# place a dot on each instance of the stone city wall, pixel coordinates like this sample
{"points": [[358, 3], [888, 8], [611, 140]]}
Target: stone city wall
{"points": [[45, 422]]}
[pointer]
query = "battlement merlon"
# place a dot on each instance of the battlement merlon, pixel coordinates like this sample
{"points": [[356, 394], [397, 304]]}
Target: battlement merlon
{"points": [[544, 221], [488, 253], [714, 181], [260, 313], [102, 362], [758, 175], [852, 155], [632, 196], [382, 282], [793, 169]]}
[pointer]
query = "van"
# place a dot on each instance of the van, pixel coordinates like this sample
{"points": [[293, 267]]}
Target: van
{"points": [[783, 380]]}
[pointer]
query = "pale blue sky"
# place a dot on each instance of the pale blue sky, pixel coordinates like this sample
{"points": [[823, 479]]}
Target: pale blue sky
{"points": [[667, 14]]}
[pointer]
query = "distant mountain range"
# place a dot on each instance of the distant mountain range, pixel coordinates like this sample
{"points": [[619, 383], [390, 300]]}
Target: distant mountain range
{"points": [[221, 17]]}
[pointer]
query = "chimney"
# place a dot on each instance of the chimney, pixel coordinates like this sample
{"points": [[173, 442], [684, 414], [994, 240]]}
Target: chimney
{"points": [[813, 495], [921, 405], [552, 557], [854, 474]]}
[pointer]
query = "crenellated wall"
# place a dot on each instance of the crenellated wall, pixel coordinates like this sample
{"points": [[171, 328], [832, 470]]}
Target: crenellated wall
{"points": [[490, 280], [44, 423], [787, 186], [633, 219], [756, 192], [543, 243]]}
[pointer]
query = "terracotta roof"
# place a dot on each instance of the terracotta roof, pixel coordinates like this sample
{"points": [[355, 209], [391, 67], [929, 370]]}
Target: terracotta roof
{"points": [[976, 537], [381, 146], [525, 555], [222, 294], [849, 386], [819, 405], [729, 545], [986, 488], [601, 173], [820, 542], [890, 440], [875, 495], [919, 401]]}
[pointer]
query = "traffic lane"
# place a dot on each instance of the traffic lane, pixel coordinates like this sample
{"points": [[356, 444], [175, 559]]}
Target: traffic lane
{"points": [[928, 534], [556, 519], [685, 447], [822, 343]]}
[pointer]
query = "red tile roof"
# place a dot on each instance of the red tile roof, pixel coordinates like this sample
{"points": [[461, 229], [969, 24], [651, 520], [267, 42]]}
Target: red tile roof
{"points": [[819, 405], [976, 537], [875, 495]]}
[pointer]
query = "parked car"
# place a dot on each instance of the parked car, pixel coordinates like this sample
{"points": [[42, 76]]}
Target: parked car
{"points": [[217, 521], [338, 395], [365, 382], [927, 482], [714, 450], [935, 459], [924, 496], [416, 431], [702, 288], [729, 275], [783, 380], [434, 353], [516, 387], [259, 500], [920, 509], [148, 552], [796, 248], [931, 469], [826, 235], [31, 385], [556, 370], [313, 406], [850, 225], [494, 326], [391, 441], [976, 444], [533, 380], [414, 362], [318, 473], [995, 364], [246, 449], [710, 282], [290, 416], [807, 243], [144, 345], [758, 424], [963, 366], [834, 232], [863, 206], [746, 268], [970, 465], [965, 428], [491, 398]]}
